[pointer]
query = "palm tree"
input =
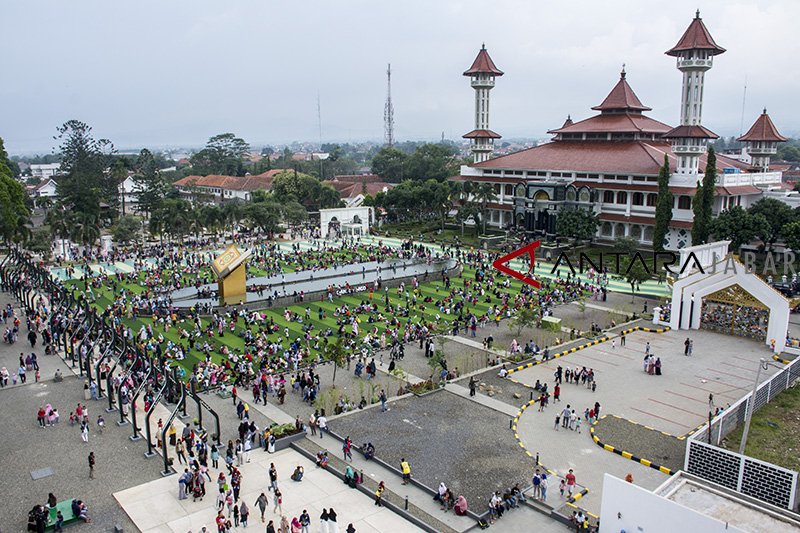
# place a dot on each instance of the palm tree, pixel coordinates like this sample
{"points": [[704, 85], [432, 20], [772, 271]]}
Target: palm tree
{"points": [[483, 193], [59, 221]]}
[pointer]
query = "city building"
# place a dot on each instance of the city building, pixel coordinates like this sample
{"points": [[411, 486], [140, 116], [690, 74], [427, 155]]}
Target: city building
{"points": [[219, 189], [609, 162]]}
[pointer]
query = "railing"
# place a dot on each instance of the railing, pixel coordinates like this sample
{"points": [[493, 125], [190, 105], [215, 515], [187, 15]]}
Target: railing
{"points": [[768, 482]]}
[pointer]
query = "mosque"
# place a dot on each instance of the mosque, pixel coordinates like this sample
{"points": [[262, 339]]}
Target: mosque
{"points": [[609, 162]]}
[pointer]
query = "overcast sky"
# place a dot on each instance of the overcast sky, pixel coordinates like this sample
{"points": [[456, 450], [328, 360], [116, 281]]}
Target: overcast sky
{"points": [[156, 73]]}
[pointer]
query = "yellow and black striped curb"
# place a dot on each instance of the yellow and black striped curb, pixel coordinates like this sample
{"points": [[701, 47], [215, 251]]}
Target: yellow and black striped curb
{"points": [[780, 360], [605, 338], [628, 455], [635, 423], [577, 496], [596, 517]]}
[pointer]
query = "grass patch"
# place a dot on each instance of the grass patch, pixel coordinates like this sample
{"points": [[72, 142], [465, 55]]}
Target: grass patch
{"points": [[774, 431]]}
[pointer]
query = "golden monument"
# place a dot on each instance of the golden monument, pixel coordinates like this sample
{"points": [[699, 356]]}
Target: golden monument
{"points": [[231, 270]]}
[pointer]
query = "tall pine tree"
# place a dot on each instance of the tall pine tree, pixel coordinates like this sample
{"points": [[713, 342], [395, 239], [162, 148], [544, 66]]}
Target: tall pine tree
{"points": [[704, 201], [663, 207]]}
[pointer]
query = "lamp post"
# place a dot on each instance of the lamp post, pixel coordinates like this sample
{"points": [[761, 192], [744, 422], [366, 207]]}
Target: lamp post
{"points": [[763, 364]]}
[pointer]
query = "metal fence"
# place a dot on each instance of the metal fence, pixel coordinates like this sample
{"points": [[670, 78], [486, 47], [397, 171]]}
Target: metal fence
{"points": [[759, 479]]}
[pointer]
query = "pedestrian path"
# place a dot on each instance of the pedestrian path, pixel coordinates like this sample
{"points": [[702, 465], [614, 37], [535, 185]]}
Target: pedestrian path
{"points": [[482, 399], [372, 470], [154, 507]]}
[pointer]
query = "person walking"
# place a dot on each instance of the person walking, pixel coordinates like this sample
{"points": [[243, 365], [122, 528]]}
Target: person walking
{"points": [[278, 502], [473, 384], [686, 346], [180, 451], [383, 401], [85, 431], [262, 503], [570, 477], [273, 477], [322, 423], [244, 513], [91, 465], [333, 525]]}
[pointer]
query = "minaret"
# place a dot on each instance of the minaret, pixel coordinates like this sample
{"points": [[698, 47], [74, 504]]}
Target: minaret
{"points": [[482, 74], [762, 141], [695, 54]]}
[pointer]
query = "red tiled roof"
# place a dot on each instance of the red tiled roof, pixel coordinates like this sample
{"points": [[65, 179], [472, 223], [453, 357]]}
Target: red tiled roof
{"points": [[230, 183], [696, 37], [628, 157], [622, 97], [481, 134], [483, 64], [763, 130], [615, 123], [602, 157], [358, 178], [740, 190], [696, 132]]}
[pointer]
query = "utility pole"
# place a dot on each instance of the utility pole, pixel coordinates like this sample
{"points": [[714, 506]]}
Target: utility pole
{"points": [[388, 110]]}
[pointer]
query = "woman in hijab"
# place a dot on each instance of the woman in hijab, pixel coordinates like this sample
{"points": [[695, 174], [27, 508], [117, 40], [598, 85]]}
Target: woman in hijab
{"points": [[333, 526], [296, 527], [323, 522], [461, 505], [284, 524]]}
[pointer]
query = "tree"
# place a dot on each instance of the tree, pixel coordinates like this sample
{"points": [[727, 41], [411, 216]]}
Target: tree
{"points": [[84, 160], [431, 161], [307, 190], [777, 215], [172, 217], [791, 234], [126, 229], [14, 213], [663, 207], [525, 318], [704, 201], [59, 222], [264, 215], [580, 224], [151, 187], [738, 226], [294, 214], [389, 164], [482, 194], [223, 154], [635, 273], [336, 353]]}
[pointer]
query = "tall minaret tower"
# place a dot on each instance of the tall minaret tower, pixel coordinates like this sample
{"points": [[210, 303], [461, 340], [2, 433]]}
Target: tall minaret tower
{"points": [[695, 55], [482, 74]]}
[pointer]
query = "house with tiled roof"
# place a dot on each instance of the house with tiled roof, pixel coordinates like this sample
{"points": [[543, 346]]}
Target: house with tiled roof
{"points": [[225, 188], [354, 188], [609, 162]]}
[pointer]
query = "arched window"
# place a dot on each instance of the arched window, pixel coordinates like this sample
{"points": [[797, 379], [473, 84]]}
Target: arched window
{"points": [[637, 199], [541, 196], [622, 197], [571, 194], [608, 197], [651, 199], [606, 229], [684, 202], [583, 195]]}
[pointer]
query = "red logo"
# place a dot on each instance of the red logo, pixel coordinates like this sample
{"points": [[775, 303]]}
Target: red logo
{"points": [[500, 264]]}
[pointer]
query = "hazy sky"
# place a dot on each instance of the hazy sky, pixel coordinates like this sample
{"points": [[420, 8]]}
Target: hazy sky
{"points": [[155, 73]]}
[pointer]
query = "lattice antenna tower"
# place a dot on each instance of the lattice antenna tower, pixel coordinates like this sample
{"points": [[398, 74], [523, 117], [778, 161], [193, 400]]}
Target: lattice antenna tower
{"points": [[388, 110]]}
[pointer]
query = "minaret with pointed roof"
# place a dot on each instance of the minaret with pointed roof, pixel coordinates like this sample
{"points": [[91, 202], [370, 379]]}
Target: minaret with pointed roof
{"points": [[762, 141], [482, 73], [695, 53]]}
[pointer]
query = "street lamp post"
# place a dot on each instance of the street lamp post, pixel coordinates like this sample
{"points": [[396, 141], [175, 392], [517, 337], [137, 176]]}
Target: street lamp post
{"points": [[763, 364]]}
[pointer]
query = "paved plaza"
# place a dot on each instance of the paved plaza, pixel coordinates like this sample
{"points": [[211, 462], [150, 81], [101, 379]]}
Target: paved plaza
{"points": [[675, 402], [154, 507]]}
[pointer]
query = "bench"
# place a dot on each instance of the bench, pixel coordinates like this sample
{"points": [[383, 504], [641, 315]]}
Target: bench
{"points": [[66, 511]]}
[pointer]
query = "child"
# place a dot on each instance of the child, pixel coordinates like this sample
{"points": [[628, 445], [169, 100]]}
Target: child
{"points": [[558, 420], [578, 424], [562, 487]]}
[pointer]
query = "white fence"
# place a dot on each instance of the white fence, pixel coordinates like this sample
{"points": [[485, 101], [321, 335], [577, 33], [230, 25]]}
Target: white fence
{"points": [[759, 479]]}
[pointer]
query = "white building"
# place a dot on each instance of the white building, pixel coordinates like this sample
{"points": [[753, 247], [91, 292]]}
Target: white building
{"points": [[129, 195], [346, 221], [47, 170], [45, 189], [220, 189]]}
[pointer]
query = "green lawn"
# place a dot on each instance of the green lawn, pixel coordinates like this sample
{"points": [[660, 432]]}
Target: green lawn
{"points": [[774, 431]]}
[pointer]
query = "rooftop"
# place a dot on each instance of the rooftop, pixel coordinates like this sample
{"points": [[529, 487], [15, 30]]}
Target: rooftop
{"points": [[696, 37], [762, 130], [483, 64]]}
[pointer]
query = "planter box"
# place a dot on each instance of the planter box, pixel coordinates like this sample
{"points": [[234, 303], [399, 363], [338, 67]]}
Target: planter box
{"points": [[285, 442], [426, 393]]}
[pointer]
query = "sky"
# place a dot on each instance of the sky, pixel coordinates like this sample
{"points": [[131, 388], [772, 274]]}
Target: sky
{"points": [[148, 73]]}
